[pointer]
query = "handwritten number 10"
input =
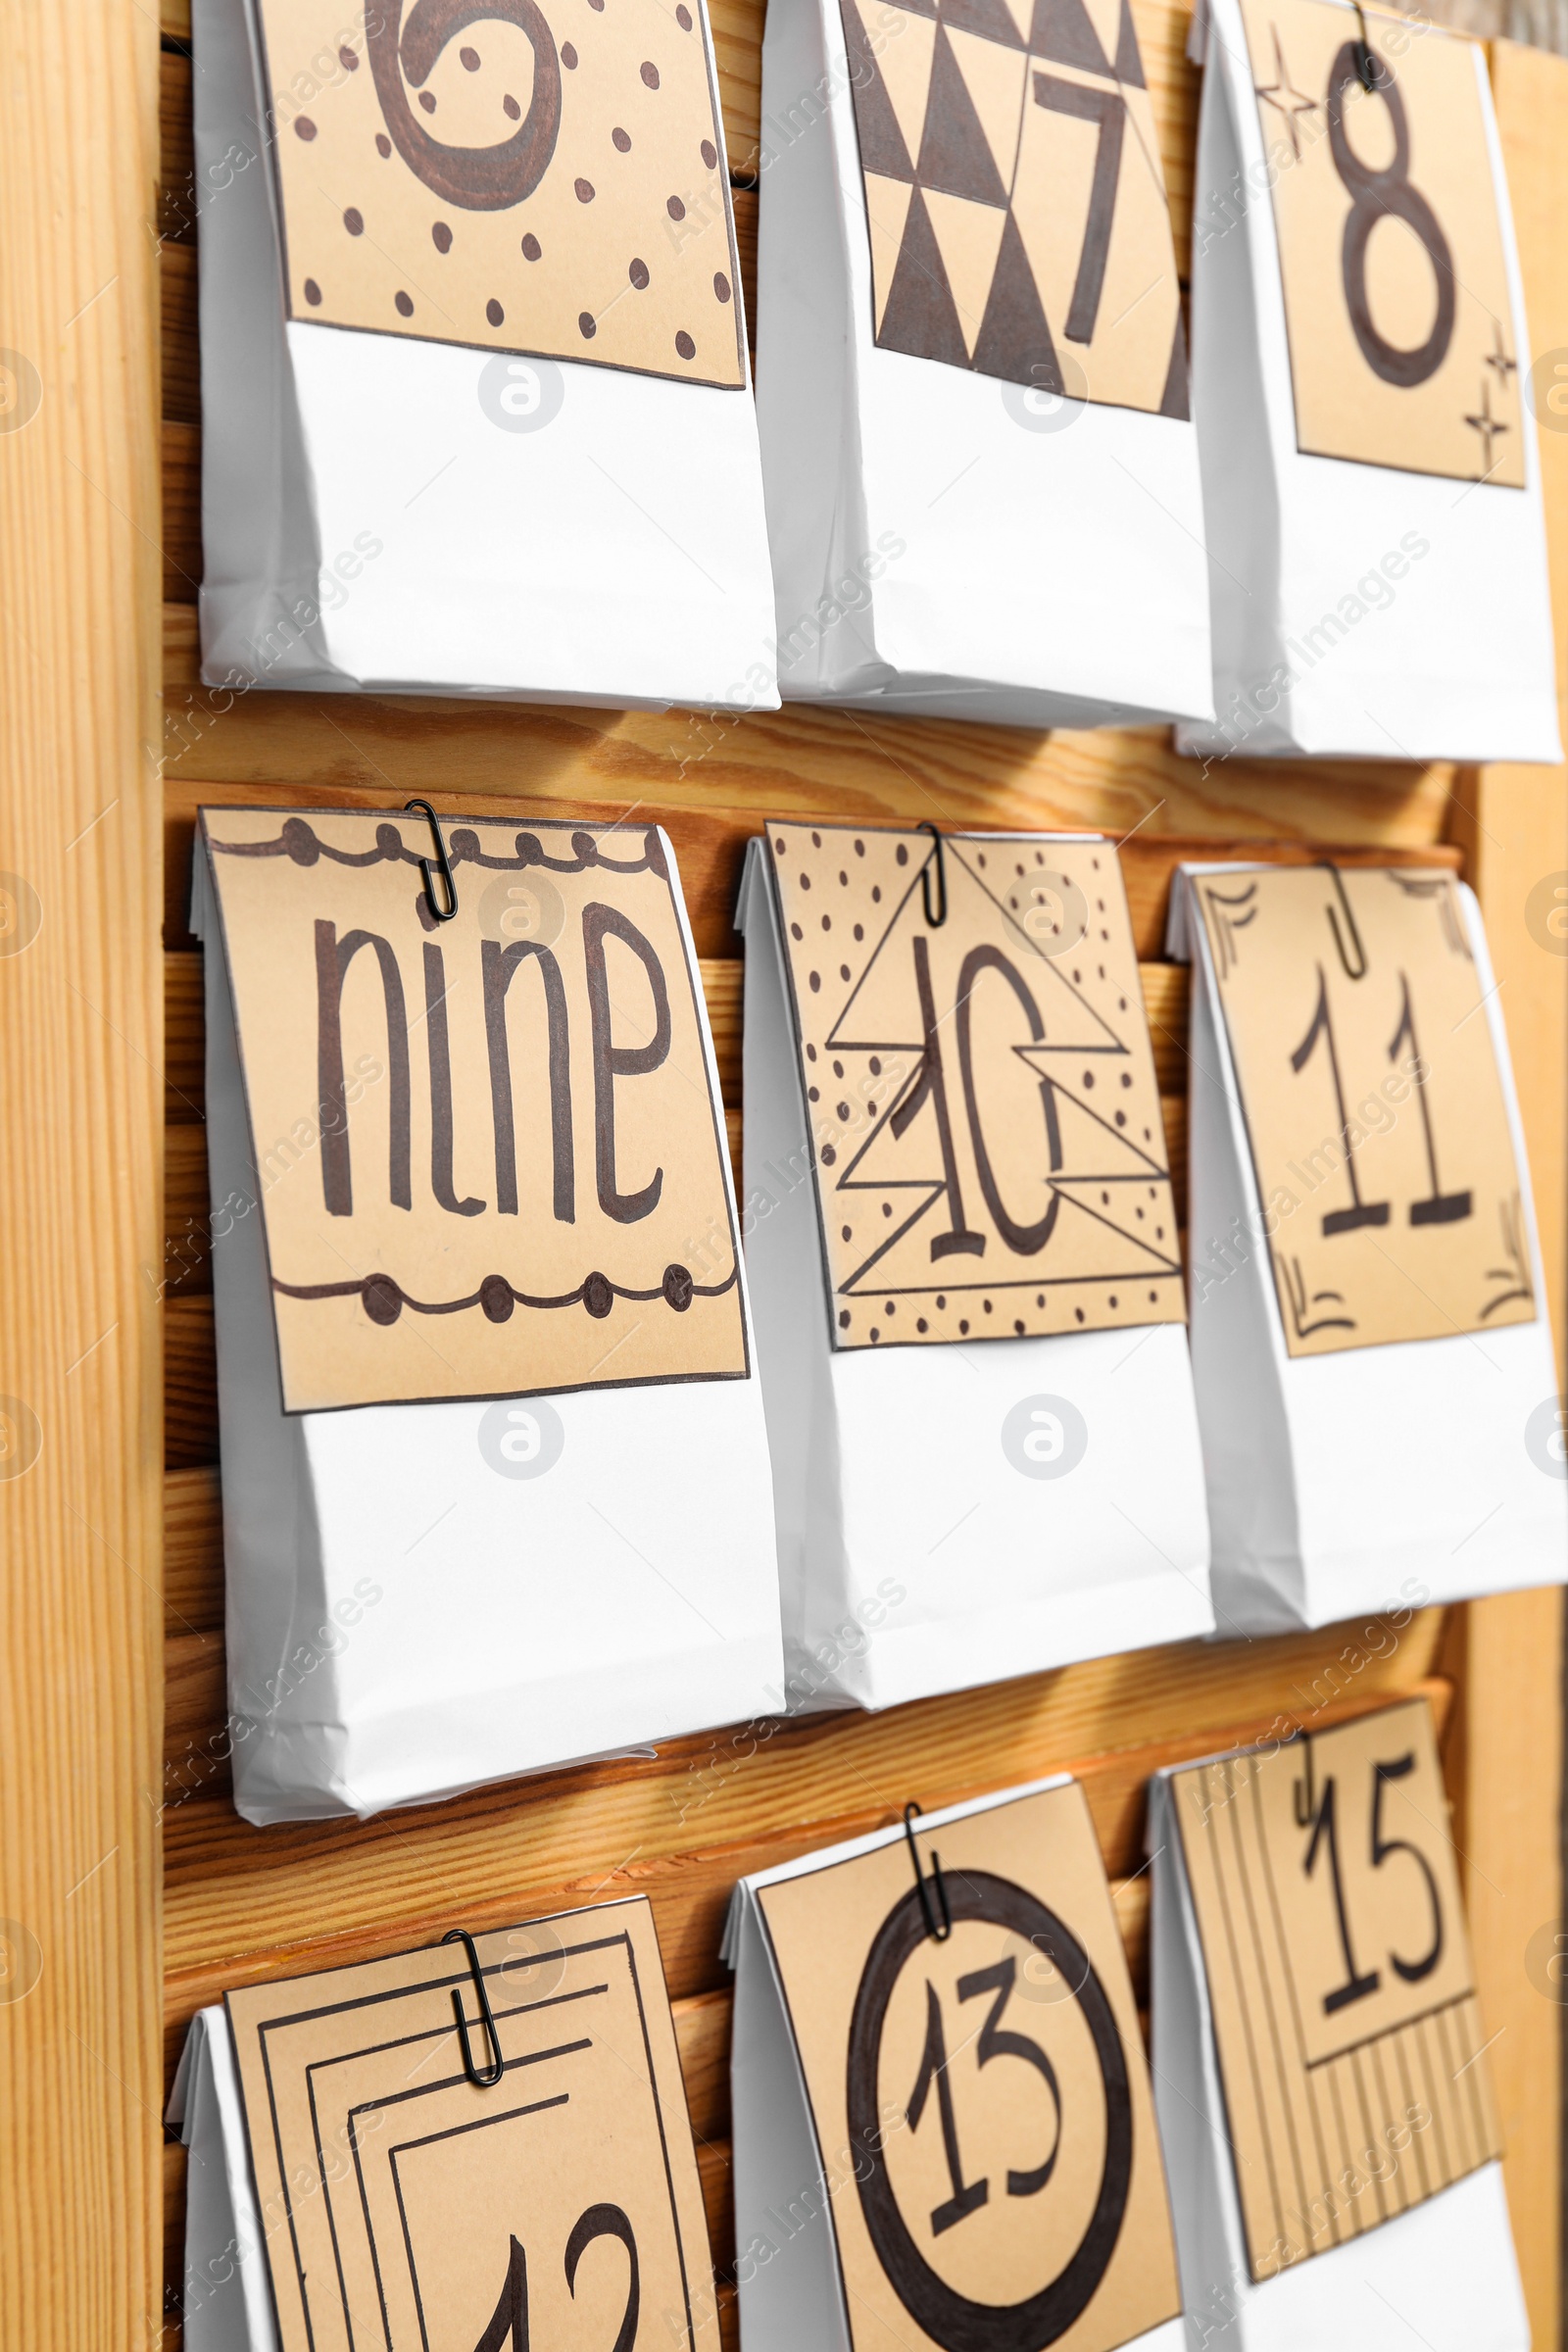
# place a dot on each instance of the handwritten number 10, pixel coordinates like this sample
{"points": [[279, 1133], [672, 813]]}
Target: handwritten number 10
{"points": [[509, 2322], [1323, 1821]]}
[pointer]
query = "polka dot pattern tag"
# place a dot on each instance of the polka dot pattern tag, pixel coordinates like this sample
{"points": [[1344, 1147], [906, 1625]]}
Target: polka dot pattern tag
{"points": [[987, 1144], [532, 176]]}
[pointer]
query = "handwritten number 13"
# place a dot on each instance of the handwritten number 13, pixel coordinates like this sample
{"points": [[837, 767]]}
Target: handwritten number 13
{"points": [[509, 2322]]}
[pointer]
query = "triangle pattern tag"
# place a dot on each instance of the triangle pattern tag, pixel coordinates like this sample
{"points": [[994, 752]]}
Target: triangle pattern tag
{"points": [[956, 157], [1063, 32], [993, 75], [920, 317], [968, 235], [1015, 340]]}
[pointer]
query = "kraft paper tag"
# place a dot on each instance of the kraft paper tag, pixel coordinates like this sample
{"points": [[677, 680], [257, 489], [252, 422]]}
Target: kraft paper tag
{"points": [[1397, 298], [1374, 1108], [401, 2204], [489, 1158], [538, 175], [988, 1149], [1338, 1973], [982, 2104], [1015, 199]]}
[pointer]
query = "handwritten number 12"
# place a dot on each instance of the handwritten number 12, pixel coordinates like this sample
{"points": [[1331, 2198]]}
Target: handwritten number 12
{"points": [[509, 2322]]}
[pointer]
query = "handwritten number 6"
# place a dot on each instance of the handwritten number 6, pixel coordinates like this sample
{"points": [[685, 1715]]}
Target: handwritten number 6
{"points": [[1374, 194], [509, 2322]]}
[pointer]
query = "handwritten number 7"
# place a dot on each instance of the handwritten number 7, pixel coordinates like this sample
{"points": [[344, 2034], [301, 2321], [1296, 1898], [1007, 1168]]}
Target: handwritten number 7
{"points": [[1108, 109], [509, 2322]]}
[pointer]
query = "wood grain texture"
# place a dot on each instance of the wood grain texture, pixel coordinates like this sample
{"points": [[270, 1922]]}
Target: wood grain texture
{"points": [[244, 1904], [1508, 1745], [710, 833], [80, 1211]]}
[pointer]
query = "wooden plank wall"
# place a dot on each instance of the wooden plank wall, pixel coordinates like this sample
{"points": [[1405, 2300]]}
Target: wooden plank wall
{"points": [[242, 1904], [81, 1689]]}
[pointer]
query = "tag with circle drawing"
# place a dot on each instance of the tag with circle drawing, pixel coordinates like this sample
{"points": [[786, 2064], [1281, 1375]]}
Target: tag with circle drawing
{"points": [[489, 1160], [981, 2103], [1396, 300], [1333, 1941], [529, 175], [554, 2201], [988, 1148], [1014, 195]]}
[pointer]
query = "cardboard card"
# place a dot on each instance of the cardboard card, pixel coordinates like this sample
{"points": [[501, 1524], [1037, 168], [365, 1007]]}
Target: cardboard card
{"points": [[534, 175], [988, 1143], [403, 2205], [1350, 2044], [490, 1159], [981, 2104], [1015, 197], [1396, 300], [1374, 1108]]}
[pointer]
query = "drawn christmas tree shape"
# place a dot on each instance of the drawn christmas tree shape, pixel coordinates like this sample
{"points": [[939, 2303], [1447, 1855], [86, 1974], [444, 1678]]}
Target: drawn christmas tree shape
{"points": [[922, 1187]]}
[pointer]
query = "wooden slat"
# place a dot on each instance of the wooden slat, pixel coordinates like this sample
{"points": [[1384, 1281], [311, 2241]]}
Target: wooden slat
{"points": [[1506, 1767], [243, 1904], [709, 832], [190, 1384], [182, 512], [193, 1552], [176, 176], [177, 287], [79, 1209]]}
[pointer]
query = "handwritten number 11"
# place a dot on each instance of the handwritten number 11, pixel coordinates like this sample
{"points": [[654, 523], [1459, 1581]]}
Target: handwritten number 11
{"points": [[1438, 1208]]}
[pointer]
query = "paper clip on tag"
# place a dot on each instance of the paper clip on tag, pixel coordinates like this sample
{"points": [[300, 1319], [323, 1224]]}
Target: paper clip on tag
{"points": [[441, 914], [482, 2077], [923, 1885]]}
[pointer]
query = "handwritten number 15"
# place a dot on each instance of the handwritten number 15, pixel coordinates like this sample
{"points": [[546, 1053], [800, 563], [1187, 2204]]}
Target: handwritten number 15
{"points": [[1323, 1821]]}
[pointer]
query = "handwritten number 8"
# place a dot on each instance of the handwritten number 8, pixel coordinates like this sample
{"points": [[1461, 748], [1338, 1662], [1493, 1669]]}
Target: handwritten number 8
{"points": [[509, 2322], [1374, 194]]}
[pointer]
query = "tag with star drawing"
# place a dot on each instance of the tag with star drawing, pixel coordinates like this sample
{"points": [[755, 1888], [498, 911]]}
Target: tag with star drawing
{"points": [[986, 1140], [1014, 195], [1397, 298]]}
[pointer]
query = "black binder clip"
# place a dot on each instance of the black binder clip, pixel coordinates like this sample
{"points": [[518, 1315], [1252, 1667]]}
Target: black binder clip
{"points": [[923, 1886], [1358, 969], [1366, 64], [482, 2077], [440, 914], [933, 922]]}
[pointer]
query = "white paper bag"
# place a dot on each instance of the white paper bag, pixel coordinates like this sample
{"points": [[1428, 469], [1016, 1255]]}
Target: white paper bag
{"points": [[1444, 2273], [479, 512], [789, 2177], [227, 2302], [980, 533], [424, 1597], [1361, 607], [1373, 1477], [949, 1514]]}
